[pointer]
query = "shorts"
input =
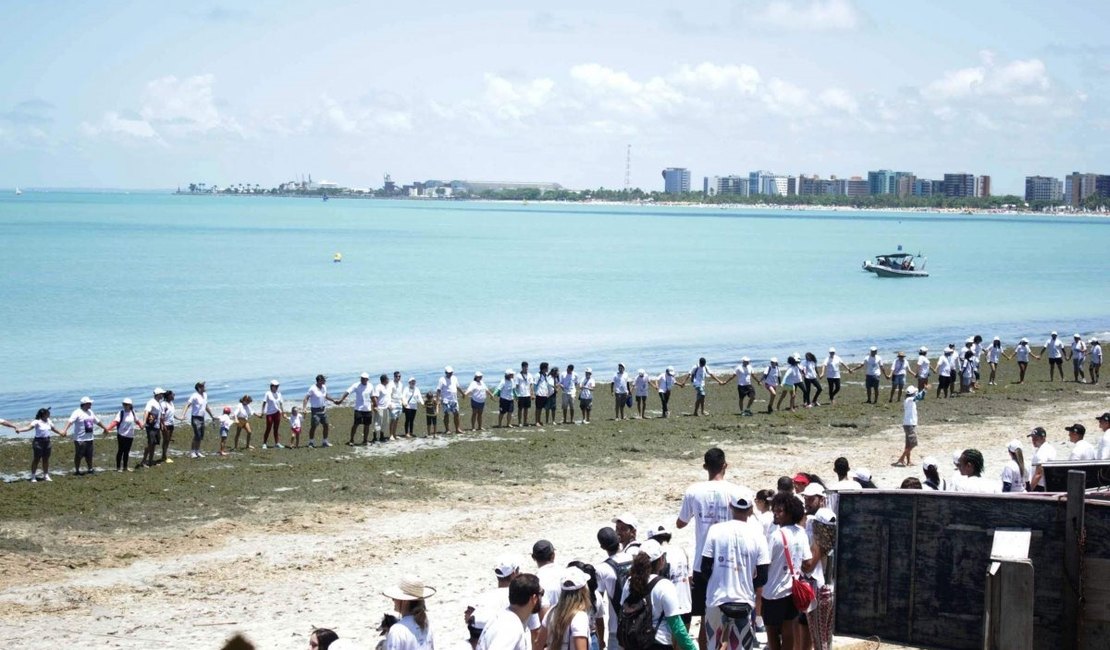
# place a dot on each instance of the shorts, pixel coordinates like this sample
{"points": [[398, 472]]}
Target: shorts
{"points": [[911, 435], [223, 432], [364, 418], [700, 390], [552, 402], [524, 403], [568, 401], [1058, 361], [394, 413], [898, 381], [153, 436], [477, 406], [872, 381], [778, 611], [504, 405], [450, 407], [40, 448], [83, 449], [585, 402], [1077, 363], [430, 420], [198, 426], [945, 382], [745, 391], [319, 415], [541, 402], [697, 594]]}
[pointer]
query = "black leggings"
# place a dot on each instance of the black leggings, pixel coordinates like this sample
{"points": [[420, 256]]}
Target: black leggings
{"points": [[410, 418], [665, 398], [816, 389], [834, 387], [123, 449]]}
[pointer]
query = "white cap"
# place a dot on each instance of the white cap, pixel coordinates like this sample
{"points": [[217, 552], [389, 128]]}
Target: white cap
{"points": [[774, 359], [825, 516], [1015, 445], [573, 579], [628, 519], [1054, 334], [509, 371], [448, 369], [862, 474], [923, 349], [1076, 336], [86, 400], [969, 340], [814, 490], [657, 529], [745, 360], [159, 391], [653, 549], [127, 401], [364, 375], [412, 379], [670, 370], [1023, 340], [505, 566], [929, 461], [911, 390], [832, 350], [274, 382], [641, 372], [589, 371], [478, 373], [874, 349], [956, 457], [741, 498], [996, 339]]}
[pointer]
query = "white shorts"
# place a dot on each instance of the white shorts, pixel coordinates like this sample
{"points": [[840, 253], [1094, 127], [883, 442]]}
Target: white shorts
{"points": [[568, 400]]}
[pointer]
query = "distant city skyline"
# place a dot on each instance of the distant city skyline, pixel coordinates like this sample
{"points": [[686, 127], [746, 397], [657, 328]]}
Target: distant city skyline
{"points": [[142, 95]]}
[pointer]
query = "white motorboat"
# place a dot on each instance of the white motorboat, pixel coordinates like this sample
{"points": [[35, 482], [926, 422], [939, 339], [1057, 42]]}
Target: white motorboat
{"points": [[897, 265]]}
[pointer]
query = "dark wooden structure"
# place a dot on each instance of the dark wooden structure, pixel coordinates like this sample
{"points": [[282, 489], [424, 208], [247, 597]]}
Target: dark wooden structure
{"points": [[911, 566], [1056, 474]]}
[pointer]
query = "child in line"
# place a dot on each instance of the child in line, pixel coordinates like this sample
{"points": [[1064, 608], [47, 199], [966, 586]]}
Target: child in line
{"points": [[243, 415], [225, 427], [295, 421], [431, 410]]}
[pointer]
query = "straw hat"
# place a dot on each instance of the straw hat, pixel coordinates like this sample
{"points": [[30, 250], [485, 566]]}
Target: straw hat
{"points": [[409, 587]]}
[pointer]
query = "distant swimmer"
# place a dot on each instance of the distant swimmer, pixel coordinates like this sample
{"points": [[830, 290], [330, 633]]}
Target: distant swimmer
{"points": [[337, 258]]}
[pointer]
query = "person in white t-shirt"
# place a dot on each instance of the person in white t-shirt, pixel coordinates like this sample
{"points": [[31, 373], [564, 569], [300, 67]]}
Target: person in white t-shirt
{"points": [[665, 383], [811, 388], [413, 631], [522, 387], [1022, 352], [363, 414], [43, 426], [971, 479], [792, 380], [84, 422], [508, 628], [1015, 477], [243, 415], [699, 375], [1103, 447], [1078, 353], [544, 389], [316, 401], [484, 608], [640, 386], [620, 388], [744, 389], [645, 580], [125, 424], [1043, 452], [1081, 449], [921, 369], [505, 399], [411, 401], [195, 409], [447, 391], [770, 381], [897, 376], [477, 391], [586, 395], [946, 369], [225, 420], [567, 625], [735, 561], [679, 569], [1055, 348], [873, 371], [568, 384], [789, 548], [1094, 351], [909, 425], [394, 412], [705, 503], [380, 400], [273, 410], [831, 371], [995, 353]]}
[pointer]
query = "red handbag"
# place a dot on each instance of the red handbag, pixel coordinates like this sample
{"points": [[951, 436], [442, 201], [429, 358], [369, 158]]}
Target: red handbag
{"points": [[800, 590]]}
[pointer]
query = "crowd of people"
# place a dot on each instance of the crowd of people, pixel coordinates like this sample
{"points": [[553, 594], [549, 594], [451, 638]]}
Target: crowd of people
{"points": [[388, 409]]}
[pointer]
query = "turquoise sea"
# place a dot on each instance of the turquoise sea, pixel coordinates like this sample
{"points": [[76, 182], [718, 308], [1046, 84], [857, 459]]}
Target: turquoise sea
{"points": [[109, 294]]}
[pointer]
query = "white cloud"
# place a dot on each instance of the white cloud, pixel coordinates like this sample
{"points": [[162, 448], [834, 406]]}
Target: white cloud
{"points": [[334, 117], [617, 91], [514, 101], [744, 77], [183, 107], [112, 123], [786, 98], [815, 15], [1011, 79], [839, 99]]}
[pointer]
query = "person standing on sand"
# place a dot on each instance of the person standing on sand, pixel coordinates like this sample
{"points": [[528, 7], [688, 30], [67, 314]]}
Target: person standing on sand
{"points": [[508, 628], [664, 383], [124, 424], [273, 410], [169, 420], [790, 381], [569, 385], [1095, 366], [698, 377], [640, 386], [316, 401], [812, 380], [447, 391], [477, 391], [789, 547], [411, 400], [994, 355], [945, 369], [1077, 355], [553, 399], [909, 426], [620, 388], [897, 376], [1055, 348], [412, 632], [40, 443], [610, 573], [84, 423], [195, 409], [586, 396], [243, 415], [770, 381], [831, 370], [873, 371], [379, 400], [522, 388], [544, 389], [744, 389], [363, 414], [1043, 452], [394, 414], [922, 369], [505, 401], [152, 422], [1022, 352]]}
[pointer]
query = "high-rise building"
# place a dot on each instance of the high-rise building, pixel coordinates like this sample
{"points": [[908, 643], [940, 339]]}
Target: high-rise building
{"points": [[676, 180], [959, 185], [922, 187], [1044, 188], [773, 185], [880, 182], [982, 186], [857, 186], [1077, 187], [756, 180], [732, 185], [706, 187], [902, 184]]}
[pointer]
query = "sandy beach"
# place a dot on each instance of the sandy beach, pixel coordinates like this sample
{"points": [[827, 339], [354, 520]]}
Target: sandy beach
{"points": [[285, 563]]}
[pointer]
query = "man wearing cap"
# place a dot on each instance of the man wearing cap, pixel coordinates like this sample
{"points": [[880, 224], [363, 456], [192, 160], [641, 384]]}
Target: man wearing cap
{"points": [[678, 563], [316, 401], [1055, 348], [568, 383], [831, 371], [946, 366], [396, 388], [543, 554], [897, 376], [1082, 450], [705, 503], [620, 389], [1043, 452], [744, 389], [873, 370], [664, 383], [814, 497], [195, 409], [505, 403], [586, 395], [909, 426], [448, 391], [485, 607], [698, 377], [922, 369], [625, 525], [84, 423], [1094, 349], [364, 408], [734, 560], [152, 423], [379, 402], [543, 388], [1104, 442], [522, 386], [1078, 353], [508, 627], [611, 574], [273, 410]]}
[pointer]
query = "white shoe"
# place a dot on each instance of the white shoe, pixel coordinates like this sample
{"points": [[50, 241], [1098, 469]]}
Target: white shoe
{"points": [[278, 445], [264, 445], [46, 477], [200, 454], [325, 444]]}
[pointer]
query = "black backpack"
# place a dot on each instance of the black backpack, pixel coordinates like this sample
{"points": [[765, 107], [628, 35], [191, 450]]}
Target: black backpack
{"points": [[621, 569], [636, 622]]}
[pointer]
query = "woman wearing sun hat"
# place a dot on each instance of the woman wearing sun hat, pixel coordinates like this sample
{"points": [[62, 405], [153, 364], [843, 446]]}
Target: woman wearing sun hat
{"points": [[412, 632]]}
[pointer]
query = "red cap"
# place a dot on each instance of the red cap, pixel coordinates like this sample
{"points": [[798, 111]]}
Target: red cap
{"points": [[801, 478]]}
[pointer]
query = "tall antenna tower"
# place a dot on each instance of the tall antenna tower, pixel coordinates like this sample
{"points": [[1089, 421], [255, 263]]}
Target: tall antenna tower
{"points": [[628, 169]]}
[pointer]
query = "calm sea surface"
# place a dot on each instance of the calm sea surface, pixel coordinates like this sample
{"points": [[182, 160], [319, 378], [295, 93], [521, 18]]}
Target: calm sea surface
{"points": [[110, 294]]}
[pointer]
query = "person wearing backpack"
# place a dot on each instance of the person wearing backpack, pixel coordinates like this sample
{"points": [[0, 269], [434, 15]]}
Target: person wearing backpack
{"points": [[611, 576], [649, 617]]}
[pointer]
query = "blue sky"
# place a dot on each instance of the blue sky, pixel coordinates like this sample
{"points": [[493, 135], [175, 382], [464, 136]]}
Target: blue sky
{"points": [[154, 95]]}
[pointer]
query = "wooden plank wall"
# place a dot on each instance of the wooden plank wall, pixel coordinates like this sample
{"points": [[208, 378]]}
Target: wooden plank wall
{"points": [[912, 565]]}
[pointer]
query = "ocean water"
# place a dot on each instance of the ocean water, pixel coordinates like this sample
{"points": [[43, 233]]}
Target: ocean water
{"points": [[110, 294]]}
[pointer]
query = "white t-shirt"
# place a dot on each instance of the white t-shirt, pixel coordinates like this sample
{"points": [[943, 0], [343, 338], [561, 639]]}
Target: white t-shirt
{"points": [[407, 635], [679, 575], [698, 375], [976, 485], [382, 393], [779, 578], [1103, 448], [84, 425], [225, 422], [873, 365], [296, 420], [545, 386], [168, 409], [504, 631], [1096, 354], [477, 391], [153, 406], [579, 627], [411, 398], [362, 393], [523, 382], [504, 389], [243, 411], [809, 369], [569, 382], [1021, 352], [832, 367], [793, 375], [640, 385], [744, 375], [1013, 475], [607, 584], [620, 383], [549, 575], [126, 423], [898, 368], [771, 375], [944, 365], [1083, 450], [395, 393], [1078, 350], [736, 548], [994, 355], [705, 503], [42, 428], [448, 389], [665, 382], [1043, 454], [909, 412], [586, 388], [271, 403], [1055, 348], [489, 604], [195, 407], [664, 604], [318, 396], [923, 368]]}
